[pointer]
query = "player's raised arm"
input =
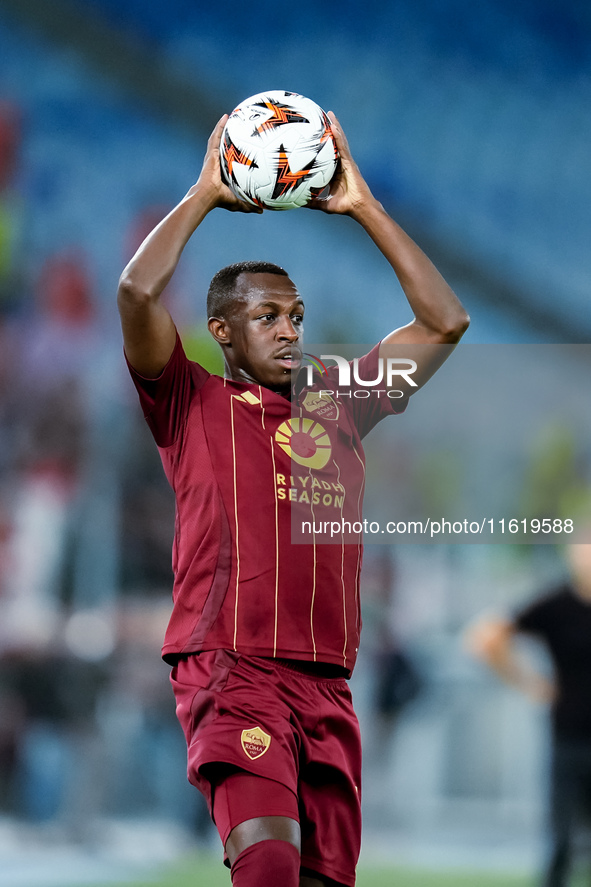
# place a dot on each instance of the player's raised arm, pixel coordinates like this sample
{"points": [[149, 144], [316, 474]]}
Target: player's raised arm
{"points": [[149, 333], [439, 318]]}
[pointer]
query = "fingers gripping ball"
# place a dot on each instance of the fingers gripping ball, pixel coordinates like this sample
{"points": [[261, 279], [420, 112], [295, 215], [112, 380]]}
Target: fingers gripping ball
{"points": [[277, 150]]}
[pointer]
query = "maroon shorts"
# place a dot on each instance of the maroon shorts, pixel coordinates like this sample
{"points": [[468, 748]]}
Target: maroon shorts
{"points": [[297, 729]]}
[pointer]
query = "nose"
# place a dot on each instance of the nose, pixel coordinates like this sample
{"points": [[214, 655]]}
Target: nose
{"points": [[286, 331]]}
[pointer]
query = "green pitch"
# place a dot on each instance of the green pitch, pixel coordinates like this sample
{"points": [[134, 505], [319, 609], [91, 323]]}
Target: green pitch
{"points": [[206, 871]]}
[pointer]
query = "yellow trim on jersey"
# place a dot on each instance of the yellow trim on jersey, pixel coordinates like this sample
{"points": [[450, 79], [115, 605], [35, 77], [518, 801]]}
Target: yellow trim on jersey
{"points": [[250, 398], [276, 547], [262, 407], [314, 575], [234, 397], [359, 501]]}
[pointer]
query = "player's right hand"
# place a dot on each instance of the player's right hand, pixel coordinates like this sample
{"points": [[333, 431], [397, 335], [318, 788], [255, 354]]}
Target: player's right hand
{"points": [[210, 179]]}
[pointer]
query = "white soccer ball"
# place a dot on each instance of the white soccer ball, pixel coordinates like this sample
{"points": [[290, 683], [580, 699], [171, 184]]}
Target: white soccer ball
{"points": [[277, 150]]}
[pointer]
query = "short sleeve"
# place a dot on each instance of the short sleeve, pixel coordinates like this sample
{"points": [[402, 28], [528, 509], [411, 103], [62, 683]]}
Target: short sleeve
{"points": [[369, 410], [165, 400]]}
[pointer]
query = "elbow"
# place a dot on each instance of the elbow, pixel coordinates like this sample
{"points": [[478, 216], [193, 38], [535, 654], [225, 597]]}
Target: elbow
{"points": [[129, 294], [452, 332], [489, 640], [462, 325]]}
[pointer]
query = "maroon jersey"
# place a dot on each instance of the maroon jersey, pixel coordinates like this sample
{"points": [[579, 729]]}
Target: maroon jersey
{"points": [[237, 456]]}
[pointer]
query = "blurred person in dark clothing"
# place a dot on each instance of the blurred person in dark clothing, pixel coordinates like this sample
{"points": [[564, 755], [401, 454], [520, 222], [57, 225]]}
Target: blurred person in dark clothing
{"points": [[561, 619]]}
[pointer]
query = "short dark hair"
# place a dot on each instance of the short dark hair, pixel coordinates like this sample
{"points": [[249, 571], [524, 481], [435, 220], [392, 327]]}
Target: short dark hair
{"points": [[223, 284]]}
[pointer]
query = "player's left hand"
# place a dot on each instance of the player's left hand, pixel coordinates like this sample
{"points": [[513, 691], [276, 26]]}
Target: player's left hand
{"points": [[348, 189]]}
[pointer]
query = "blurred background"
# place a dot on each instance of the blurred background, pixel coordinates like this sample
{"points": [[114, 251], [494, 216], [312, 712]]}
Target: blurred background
{"points": [[471, 123]]}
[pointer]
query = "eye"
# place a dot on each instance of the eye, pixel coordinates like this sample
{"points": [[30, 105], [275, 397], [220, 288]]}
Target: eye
{"points": [[297, 318], [267, 317]]}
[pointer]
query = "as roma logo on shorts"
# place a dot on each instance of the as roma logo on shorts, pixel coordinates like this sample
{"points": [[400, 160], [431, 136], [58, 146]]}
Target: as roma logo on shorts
{"points": [[255, 742]]}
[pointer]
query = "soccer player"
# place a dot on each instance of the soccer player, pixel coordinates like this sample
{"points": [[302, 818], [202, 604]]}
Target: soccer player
{"points": [[263, 633], [561, 619]]}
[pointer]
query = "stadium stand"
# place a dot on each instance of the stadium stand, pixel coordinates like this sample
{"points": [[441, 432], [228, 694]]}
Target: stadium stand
{"points": [[486, 139]]}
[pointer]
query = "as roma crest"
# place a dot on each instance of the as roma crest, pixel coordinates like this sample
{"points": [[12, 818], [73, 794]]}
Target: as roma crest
{"points": [[321, 404], [255, 742]]}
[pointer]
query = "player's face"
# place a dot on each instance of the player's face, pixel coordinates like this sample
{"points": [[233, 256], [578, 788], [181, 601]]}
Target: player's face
{"points": [[265, 330]]}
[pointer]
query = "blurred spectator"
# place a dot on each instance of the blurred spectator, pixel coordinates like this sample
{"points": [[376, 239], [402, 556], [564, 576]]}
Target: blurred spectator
{"points": [[46, 409], [395, 680], [10, 137], [11, 207], [146, 517], [48, 695], [57, 338], [561, 619], [140, 728]]}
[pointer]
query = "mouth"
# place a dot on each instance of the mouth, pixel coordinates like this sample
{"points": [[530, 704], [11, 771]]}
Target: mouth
{"points": [[289, 360]]}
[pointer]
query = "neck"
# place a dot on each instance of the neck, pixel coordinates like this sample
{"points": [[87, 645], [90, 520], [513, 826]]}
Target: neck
{"points": [[238, 374]]}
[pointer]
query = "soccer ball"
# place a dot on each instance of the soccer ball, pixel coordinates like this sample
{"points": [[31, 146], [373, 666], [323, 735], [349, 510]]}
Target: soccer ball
{"points": [[277, 150]]}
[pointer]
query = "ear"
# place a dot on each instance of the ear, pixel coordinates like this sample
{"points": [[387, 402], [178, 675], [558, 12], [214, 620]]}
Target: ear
{"points": [[220, 330]]}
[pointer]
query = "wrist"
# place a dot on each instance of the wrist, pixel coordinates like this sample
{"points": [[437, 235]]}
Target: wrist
{"points": [[202, 195], [365, 209]]}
